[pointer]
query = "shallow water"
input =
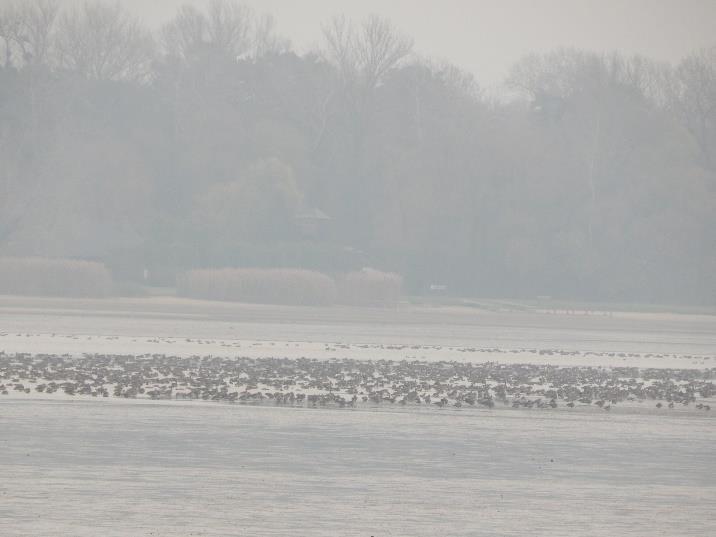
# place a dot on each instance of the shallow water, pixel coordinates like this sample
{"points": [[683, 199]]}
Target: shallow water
{"points": [[180, 318], [671, 339], [173, 469]]}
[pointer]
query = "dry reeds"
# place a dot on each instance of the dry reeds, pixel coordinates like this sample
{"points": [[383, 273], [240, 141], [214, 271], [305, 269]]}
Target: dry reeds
{"points": [[263, 286], [369, 287], [53, 277]]}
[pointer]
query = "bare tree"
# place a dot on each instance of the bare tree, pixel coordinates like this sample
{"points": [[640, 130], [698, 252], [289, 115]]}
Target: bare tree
{"points": [[694, 100], [225, 29], [340, 47], [229, 27], [104, 42], [39, 18], [265, 39], [11, 33], [185, 33], [362, 56], [547, 79], [649, 77], [380, 48], [367, 52]]}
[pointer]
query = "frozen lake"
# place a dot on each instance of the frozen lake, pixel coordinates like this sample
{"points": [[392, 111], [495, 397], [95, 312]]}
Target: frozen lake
{"points": [[174, 469], [184, 328], [116, 467]]}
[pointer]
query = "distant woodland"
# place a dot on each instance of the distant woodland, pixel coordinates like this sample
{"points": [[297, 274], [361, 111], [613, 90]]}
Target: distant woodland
{"points": [[211, 143]]}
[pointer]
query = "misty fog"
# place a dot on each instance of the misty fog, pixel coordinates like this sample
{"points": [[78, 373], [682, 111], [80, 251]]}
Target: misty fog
{"points": [[211, 143], [357, 268]]}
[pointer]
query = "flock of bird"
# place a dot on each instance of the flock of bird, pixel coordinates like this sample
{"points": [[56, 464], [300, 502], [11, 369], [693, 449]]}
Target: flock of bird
{"points": [[183, 346], [349, 382]]}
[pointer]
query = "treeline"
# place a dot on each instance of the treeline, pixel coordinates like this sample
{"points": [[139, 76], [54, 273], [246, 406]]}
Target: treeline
{"points": [[212, 143]]}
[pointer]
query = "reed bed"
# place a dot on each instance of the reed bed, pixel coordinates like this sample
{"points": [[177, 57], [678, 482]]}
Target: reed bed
{"points": [[262, 286], [369, 287], [39, 276]]}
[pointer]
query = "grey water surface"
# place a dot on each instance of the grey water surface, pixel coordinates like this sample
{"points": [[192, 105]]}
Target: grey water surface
{"points": [[80, 468]]}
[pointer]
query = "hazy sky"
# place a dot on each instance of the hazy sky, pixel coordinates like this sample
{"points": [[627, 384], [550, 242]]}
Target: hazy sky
{"points": [[486, 36]]}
